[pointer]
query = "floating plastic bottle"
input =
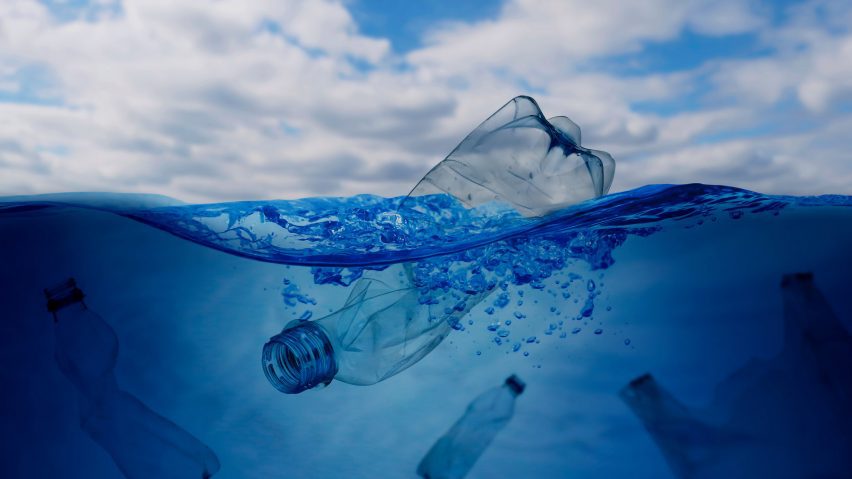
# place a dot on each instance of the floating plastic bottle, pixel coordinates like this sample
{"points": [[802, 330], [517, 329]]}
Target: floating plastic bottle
{"points": [[519, 157], [381, 330], [142, 443], [455, 453], [516, 156]]}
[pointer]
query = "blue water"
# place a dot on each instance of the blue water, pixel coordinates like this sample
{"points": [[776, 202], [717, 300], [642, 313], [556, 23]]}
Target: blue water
{"points": [[677, 280]]}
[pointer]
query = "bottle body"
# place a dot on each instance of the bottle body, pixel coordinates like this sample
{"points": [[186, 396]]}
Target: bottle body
{"points": [[813, 332], [142, 443], [86, 349], [381, 330], [520, 158], [455, 453]]}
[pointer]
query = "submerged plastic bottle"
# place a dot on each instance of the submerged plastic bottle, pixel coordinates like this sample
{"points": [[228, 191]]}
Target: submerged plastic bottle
{"points": [[687, 443], [812, 328], [381, 330], [142, 443], [455, 453]]}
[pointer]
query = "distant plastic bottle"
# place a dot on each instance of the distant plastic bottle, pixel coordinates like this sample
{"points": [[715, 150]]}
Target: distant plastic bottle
{"points": [[519, 157], [455, 453], [811, 325], [687, 443], [142, 443], [381, 330]]}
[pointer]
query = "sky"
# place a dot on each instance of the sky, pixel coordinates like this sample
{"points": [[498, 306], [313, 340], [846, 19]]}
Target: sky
{"points": [[250, 99]]}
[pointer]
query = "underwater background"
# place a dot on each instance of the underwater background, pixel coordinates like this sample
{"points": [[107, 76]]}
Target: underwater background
{"points": [[680, 281]]}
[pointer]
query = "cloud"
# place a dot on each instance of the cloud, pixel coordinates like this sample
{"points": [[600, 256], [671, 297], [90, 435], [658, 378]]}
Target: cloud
{"points": [[250, 99], [727, 17], [813, 62]]}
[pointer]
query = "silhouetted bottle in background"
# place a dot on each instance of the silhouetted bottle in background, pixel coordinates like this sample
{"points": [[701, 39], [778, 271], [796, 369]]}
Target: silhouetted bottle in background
{"points": [[142, 443], [687, 443], [811, 328], [380, 331], [455, 453]]}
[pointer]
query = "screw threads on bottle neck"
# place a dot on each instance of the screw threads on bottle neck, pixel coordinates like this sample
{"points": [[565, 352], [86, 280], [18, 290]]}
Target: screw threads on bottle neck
{"points": [[299, 358]]}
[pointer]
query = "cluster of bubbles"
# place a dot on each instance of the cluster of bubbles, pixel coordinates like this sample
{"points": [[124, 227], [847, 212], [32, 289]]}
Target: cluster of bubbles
{"points": [[458, 253]]}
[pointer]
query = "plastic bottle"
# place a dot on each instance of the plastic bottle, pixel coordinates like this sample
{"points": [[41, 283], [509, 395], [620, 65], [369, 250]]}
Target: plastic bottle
{"points": [[455, 453], [812, 328], [516, 156], [142, 443], [687, 443], [381, 330]]}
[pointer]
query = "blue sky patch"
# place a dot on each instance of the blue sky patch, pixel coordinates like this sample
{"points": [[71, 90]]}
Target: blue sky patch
{"points": [[686, 52], [73, 10], [404, 23], [36, 85]]}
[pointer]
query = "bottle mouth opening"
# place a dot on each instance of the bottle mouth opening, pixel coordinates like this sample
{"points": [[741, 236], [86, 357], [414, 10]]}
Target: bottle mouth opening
{"points": [[63, 294], [515, 384], [639, 389], [791, 279], [299, 358]]}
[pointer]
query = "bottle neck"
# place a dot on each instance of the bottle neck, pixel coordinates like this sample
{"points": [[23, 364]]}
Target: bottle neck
{"points": [[64, 295], [299, 358], [515, 385]]}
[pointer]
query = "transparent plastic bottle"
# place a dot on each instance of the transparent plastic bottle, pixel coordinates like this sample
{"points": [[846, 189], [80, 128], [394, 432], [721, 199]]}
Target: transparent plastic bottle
{"points": [[142, 443], [455, 453], [381, 330]]}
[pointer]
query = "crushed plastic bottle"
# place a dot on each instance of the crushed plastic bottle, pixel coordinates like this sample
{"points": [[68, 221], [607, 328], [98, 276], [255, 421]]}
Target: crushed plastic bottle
{"points": [[142, 443], [381, 330], [519, 157], [516, 156], [455, 453]]}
